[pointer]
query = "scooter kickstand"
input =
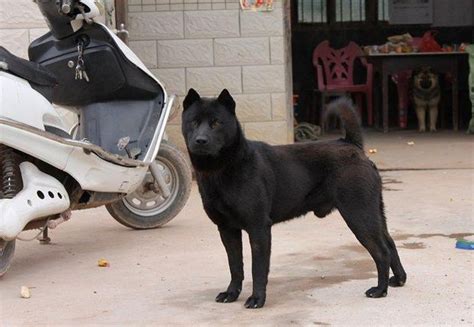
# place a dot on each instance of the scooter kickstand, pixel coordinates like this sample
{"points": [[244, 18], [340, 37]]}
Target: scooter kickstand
{"points": [[44, 239]]}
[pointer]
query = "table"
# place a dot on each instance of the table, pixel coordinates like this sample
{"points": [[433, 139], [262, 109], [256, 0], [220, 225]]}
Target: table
{"points": [[391, 63]]}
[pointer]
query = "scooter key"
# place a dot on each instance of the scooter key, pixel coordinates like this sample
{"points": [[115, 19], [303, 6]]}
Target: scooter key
{"points": [[78, 72], [86, 77]]}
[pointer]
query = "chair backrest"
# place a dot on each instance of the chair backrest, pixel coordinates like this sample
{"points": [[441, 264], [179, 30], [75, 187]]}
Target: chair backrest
{"points": [[338, 64]]}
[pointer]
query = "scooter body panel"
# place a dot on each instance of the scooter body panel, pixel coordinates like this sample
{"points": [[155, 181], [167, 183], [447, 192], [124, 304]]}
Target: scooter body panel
{"points": [[88, 169], [42, 195], [20, 102]]}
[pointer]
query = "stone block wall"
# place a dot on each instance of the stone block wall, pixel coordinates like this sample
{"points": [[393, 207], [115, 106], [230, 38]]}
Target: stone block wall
{"points": [[205, 44], [212, 44], [20, 23]]}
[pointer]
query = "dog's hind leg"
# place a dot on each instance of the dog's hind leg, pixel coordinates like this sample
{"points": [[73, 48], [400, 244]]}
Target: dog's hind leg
{"points": [[232, 240], [399, 277], [367, 225]]}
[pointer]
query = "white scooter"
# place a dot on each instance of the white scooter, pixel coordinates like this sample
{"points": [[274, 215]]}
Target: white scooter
{"points": [[115, 156]]}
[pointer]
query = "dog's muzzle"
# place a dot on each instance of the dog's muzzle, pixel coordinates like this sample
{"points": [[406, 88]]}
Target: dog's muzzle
{"points": [[426, 83]]}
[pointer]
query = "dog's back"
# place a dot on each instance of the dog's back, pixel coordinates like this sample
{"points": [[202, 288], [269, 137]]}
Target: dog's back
{"points": [[306, 176]]}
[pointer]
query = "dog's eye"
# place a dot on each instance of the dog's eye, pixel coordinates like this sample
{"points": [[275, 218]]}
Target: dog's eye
{"points": [[195, 123], [215, 123]]}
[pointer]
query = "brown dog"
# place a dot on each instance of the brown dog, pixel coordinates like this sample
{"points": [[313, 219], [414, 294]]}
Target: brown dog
{"points": [[426, 95]]}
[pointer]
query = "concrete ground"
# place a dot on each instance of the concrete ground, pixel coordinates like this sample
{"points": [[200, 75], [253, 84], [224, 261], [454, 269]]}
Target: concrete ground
{"points": [[319, 272]]}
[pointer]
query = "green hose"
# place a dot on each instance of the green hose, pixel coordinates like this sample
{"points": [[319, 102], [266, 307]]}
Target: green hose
{"points": [[307, 132]]}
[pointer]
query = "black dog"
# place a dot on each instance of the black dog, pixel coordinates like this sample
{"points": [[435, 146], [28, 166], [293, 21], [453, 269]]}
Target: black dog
{"points": [[247, 185]]}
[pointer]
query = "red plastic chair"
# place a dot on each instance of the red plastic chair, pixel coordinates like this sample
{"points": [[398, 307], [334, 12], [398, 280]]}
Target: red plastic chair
{"points": [[334, 75]]}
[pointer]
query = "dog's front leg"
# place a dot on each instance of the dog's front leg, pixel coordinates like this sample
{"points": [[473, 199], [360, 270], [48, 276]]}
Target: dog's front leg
{"points": [[260, 243], [421, 114], [232, 240]]}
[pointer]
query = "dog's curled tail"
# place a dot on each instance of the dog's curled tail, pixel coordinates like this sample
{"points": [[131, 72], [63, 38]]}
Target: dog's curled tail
{"points": [[344, 109]]}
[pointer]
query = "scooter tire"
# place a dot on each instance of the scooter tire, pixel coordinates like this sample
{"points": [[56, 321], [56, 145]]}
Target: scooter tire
{"points": [[123, 210], [7, 250]]}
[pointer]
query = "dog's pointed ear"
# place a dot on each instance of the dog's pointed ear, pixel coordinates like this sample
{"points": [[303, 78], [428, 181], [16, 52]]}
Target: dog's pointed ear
{"points": [[190, 98], [226, 100]]}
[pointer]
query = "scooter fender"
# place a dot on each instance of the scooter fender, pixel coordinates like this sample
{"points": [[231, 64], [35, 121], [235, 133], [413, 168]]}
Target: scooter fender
{"points": [[42, 196]]}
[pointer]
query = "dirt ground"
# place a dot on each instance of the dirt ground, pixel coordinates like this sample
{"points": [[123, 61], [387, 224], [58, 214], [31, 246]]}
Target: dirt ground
{"points": [[319, 272]]}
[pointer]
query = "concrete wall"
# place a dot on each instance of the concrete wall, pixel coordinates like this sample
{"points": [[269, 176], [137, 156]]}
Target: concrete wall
{"points": [[212, 44]]}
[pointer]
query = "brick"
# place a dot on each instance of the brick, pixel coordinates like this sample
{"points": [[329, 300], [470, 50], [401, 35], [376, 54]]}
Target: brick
{"points": [[232, 6], [176, 137], [218, 6], [253, 107], [134, 8], [211, 81], [280, 110], [190, 6], [146, 51], [271, 132], [277, 50], [156, 25], [208, 24], [175, 119], [149, 8], [165, 7], [261, 23], [204, 6], [177, 6], [20, 14], [241, 51], [173, 79], [261, 79], [185, 53], [16, 41]]}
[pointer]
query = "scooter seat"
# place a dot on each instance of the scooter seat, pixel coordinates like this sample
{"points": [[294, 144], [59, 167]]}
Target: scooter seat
{"points": [[39, 77]]}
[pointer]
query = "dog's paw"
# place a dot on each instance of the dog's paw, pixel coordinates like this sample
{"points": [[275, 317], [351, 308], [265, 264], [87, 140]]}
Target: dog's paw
{"points": [[433, 129], [397, 281], [227, 297], [255, 302], [422, 129], [375, 292]]}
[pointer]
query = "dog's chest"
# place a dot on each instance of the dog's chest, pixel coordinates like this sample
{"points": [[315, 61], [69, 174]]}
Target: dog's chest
{"points": [[427, 96], [224, 203]]}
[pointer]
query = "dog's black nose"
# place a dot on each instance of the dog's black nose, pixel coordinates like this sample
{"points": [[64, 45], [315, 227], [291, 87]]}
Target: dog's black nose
{"points": [[202, 140]]}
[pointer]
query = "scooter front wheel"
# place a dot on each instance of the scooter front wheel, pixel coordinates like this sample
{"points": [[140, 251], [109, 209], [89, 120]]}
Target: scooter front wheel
{"points": [[146, 208]]}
